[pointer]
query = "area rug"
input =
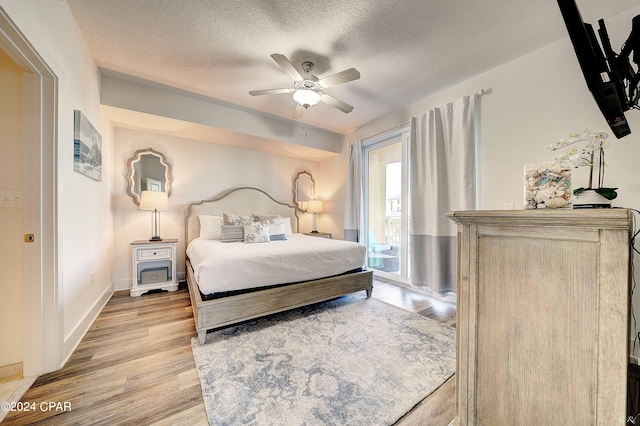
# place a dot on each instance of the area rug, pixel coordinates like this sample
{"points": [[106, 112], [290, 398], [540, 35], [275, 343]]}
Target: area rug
{"points": [[343, 362]]}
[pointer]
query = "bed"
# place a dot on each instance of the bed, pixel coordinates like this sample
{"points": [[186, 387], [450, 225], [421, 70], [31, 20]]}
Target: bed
{"points": [[230, 294]]}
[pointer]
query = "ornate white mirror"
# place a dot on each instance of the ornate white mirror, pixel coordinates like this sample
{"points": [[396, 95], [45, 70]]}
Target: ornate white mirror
{"points": [[304, 190], [148, 170]]}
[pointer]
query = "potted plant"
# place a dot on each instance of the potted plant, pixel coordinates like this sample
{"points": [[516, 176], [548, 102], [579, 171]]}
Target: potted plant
{"points": [[592, 155]]}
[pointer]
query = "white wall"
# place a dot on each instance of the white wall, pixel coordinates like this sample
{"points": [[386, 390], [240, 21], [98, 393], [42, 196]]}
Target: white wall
{"points": [[533, 101], [83, 206], [11, 259], [201, 170]]}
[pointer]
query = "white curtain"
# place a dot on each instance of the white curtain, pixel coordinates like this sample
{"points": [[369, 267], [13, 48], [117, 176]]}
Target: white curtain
{"points": [[354, 219], [443, 179]]}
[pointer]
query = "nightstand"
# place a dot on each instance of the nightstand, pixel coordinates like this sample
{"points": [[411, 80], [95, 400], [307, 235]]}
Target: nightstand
{"points": [[153, 266], [319, 234]]}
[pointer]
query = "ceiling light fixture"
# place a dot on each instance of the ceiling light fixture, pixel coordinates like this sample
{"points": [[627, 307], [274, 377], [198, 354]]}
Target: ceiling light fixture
{"points": [[306, 97]]}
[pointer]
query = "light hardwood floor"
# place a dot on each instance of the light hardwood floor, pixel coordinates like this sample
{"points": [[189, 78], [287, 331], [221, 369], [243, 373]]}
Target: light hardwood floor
{"points": [[135, 366]]}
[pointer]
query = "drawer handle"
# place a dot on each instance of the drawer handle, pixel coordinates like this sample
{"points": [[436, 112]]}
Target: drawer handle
{"points": [[154, 253]]}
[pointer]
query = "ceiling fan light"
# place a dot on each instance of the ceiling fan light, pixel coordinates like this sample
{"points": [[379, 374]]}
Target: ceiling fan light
{"points": [[306, 97]]}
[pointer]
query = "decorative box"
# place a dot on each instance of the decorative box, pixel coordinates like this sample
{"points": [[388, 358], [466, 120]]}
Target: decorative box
{"points": [[154, 275]]}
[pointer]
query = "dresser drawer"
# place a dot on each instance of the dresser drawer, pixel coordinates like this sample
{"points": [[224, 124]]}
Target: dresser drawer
{"points": [[153, 254]]}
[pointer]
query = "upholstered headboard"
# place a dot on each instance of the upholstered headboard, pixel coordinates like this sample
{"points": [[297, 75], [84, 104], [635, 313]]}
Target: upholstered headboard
{"points": [[239, 201]]}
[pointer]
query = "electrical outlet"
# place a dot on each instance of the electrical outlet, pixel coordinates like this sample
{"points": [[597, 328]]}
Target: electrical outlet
{"points": [[92, 278], [4, 198], [507, 206]]}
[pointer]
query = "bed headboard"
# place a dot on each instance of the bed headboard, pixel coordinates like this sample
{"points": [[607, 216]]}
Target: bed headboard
{"points": [[240, 201]]}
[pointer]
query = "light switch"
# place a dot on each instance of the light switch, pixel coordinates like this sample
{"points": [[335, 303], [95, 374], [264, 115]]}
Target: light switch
{"points": [[15, 199], [10, 199]]}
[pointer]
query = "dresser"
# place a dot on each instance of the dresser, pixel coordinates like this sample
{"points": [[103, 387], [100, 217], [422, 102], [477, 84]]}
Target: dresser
{"points": [[153, 266], [542, 317]]}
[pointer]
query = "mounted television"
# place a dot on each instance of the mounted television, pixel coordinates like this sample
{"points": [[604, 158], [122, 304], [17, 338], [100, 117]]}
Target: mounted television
{"points": [[610, 77]]}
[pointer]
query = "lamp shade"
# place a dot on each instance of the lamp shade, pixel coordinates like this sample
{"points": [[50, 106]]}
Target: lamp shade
{"points": [[314, 206], [306, 97], [151, 200]]}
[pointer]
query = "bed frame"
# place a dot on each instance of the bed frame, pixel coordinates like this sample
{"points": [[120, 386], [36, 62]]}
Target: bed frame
{"points": [[215, 313]]}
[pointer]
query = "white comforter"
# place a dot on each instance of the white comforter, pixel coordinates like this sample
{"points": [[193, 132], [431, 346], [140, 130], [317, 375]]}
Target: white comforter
{"points": [[220, 267]]}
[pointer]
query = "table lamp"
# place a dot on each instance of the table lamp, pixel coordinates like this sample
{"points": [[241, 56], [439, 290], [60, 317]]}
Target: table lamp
{"points": [[315, 207], [155, 201]]}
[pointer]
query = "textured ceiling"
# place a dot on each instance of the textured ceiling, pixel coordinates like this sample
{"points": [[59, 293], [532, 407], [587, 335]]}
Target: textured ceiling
{"points": [[405, 50]]}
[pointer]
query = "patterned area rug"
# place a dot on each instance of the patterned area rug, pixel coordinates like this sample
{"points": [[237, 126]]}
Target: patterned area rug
{"points": [[342, 362]]}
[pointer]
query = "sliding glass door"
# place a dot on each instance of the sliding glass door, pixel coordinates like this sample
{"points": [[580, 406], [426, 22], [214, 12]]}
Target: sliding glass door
{"points": [[385, 204]]}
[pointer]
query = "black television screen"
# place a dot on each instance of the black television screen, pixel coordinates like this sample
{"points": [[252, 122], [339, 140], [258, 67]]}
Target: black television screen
{"points": [[608, 92]]}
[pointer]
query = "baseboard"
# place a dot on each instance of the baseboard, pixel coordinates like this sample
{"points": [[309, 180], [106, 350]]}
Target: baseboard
{"points": [[11, 370], [72, 341]]}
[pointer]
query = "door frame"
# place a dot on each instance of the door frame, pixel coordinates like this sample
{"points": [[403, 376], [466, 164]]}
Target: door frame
{"points": [[42, 319]]}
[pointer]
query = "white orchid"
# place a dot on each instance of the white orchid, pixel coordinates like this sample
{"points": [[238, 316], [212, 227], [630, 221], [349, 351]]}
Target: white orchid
{"points": [[596, 142]]}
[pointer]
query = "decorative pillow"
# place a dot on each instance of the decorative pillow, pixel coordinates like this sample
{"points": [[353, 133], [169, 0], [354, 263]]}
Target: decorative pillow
{"points": [[269, 219], [232, 233], [276, 231], [232, 219], [256, 232], [210, 227]]}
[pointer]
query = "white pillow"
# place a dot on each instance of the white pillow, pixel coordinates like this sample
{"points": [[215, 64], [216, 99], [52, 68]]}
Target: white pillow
{"points": [[210, 227], [287, 226], [256, 232], [277, 228]]}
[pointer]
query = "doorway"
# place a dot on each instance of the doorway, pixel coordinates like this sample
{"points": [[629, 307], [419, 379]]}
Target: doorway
{"points": [[11, 214], [386, 192], [42, 322]]}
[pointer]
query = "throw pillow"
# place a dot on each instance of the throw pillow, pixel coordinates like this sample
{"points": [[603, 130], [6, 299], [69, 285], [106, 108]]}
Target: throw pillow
{"points": [[256, 232]]}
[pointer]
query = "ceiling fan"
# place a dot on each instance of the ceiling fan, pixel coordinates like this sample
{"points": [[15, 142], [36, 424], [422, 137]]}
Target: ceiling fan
{"points": [[309, 90]]}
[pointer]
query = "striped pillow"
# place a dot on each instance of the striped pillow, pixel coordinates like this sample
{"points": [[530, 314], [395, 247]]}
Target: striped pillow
{"points": [[232, 233]]}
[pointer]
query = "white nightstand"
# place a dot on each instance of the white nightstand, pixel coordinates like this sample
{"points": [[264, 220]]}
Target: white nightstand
{"points": [[319, 234], [153, 266]]}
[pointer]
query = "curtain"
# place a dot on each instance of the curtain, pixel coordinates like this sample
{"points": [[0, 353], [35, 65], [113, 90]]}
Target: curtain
{"points": [[353, 220], [443, 179]]}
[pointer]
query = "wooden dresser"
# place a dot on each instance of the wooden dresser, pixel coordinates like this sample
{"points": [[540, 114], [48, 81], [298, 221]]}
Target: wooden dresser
{"points": [[543, 302]]}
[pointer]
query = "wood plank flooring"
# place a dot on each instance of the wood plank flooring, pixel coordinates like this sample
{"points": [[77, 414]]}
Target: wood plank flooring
{"points": [[135, 366]]}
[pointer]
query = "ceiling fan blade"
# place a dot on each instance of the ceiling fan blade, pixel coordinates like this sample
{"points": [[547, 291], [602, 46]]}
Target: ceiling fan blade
{"points": [[299, 111], [287, 67], [269, 92], [337, 103], [339, 78]]}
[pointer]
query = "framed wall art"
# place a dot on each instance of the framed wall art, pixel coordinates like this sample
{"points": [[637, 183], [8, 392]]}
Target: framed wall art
{"points": [[87, 148]]}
